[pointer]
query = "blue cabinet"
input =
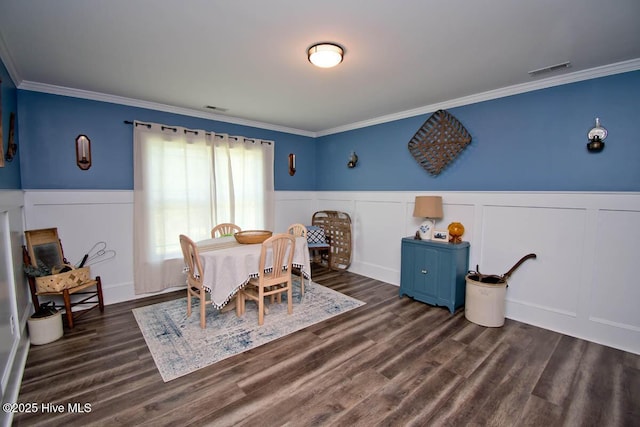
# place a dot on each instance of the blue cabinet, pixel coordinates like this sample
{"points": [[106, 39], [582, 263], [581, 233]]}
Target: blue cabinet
{"points": [[434, 272]]}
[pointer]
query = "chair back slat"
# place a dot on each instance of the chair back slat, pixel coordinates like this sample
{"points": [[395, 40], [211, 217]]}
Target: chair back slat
{"points": [[281, 247], [192, 260], [224, 229], [298, 230]]}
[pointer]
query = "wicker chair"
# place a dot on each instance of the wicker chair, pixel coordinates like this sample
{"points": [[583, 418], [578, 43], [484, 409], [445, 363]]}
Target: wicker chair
{"points": [[224, 229]]}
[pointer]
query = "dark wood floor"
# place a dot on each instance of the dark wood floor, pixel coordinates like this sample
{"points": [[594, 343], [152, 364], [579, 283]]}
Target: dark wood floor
{"points": [[391, 362]]}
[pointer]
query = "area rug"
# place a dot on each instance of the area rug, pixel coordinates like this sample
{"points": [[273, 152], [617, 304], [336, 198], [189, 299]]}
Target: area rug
{"points": [[179, 346]]}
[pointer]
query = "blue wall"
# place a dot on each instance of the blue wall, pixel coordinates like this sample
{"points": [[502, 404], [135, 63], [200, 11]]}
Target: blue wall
{"points": [[49, 125], [530, 142], [10, 173]]}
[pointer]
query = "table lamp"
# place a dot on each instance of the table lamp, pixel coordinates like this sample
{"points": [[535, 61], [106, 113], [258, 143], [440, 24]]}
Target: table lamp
{"points": [[430, 208]]}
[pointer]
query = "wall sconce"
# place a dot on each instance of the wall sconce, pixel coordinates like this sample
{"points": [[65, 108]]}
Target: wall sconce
{"points": [[596, 138], [292, 164], [83, 152], [12, 148], [353, 160]]}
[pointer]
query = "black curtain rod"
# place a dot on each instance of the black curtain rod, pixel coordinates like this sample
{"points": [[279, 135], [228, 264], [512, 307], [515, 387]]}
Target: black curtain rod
{"points": [[139, 123], [128, 122]]}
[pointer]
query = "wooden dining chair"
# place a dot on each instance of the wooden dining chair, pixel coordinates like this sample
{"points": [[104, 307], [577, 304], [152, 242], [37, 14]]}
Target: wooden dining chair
{"points": [[299, 230], [195, 287], [224, 229], [276, 280]]}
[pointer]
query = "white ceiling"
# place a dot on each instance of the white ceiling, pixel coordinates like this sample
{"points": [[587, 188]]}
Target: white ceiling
{"points": [[249, 56]]}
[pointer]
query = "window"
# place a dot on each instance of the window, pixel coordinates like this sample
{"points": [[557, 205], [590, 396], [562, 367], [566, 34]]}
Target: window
{"points": [[186, 182]]}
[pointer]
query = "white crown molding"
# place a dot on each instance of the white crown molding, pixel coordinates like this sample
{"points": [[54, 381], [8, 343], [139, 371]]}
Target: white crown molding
{"points": [[8, 62], [603, 71], [606, 70], [97, 96]]}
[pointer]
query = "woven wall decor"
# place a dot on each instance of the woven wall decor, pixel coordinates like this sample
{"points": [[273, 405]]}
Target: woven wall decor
{"points": [[438, 142], [337, 228]]}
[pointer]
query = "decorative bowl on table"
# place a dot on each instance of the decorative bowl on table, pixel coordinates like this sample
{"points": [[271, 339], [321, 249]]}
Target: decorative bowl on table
{"points": [[252, 236]]}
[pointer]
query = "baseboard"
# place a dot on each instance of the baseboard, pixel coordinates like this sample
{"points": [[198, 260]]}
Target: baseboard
{"points": [[375, 271], [12, 390], [122, 292]]}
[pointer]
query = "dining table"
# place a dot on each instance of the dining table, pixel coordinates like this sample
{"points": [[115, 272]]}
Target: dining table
{"points": [[228, 265]]}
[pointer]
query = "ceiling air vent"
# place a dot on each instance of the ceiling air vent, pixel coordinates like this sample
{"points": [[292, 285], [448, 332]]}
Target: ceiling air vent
{"points": [[549, 69], [211, 107]]}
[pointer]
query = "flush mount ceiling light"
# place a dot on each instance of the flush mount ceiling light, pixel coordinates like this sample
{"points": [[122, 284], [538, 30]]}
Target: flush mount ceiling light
{"points": [[325, 55]]}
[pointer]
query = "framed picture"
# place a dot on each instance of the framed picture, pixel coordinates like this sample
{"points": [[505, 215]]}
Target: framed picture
{"points": [[440, 235]]}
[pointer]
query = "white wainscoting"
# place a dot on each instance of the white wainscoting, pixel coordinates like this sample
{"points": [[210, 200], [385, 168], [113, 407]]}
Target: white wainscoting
{"points": [[83, 219], [15, 304], [582, 283]]}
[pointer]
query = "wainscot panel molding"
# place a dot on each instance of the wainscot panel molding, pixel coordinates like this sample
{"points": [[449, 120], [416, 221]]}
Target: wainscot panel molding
{"points": [[581, 284], [85, 218], [15, 303], [293, 207]]}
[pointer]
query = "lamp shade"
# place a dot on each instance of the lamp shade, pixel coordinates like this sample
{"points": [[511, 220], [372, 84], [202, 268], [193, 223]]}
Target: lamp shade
{"points": [[428, 207]]}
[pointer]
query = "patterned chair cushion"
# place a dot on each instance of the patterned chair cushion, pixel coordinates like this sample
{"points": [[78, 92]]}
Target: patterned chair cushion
{"points": [[316, 236]]}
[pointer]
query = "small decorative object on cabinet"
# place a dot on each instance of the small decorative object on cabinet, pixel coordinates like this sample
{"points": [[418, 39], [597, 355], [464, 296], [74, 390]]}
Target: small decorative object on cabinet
{"points": [[434, 272], [440, 236], [456, 230]]}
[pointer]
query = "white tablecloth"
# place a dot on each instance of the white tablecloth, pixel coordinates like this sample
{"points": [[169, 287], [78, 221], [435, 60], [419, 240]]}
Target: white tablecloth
{"points": [[228, 265]]}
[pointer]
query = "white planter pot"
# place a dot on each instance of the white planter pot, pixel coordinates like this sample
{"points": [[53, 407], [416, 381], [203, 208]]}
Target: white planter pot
{"points": [[43, 330]]}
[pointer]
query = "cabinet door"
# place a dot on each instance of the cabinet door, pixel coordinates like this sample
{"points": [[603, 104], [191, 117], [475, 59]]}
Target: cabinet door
{"points": [[446, 293], [407, 266], [426, 274], [434, 273]]}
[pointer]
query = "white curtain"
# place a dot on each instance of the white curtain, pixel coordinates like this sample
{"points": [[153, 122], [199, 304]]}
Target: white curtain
{"points": [[187, 181]]}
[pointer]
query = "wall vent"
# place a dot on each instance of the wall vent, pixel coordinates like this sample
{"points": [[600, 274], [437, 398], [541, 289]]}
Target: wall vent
{"points": [[549, 69], [211, 107]]}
